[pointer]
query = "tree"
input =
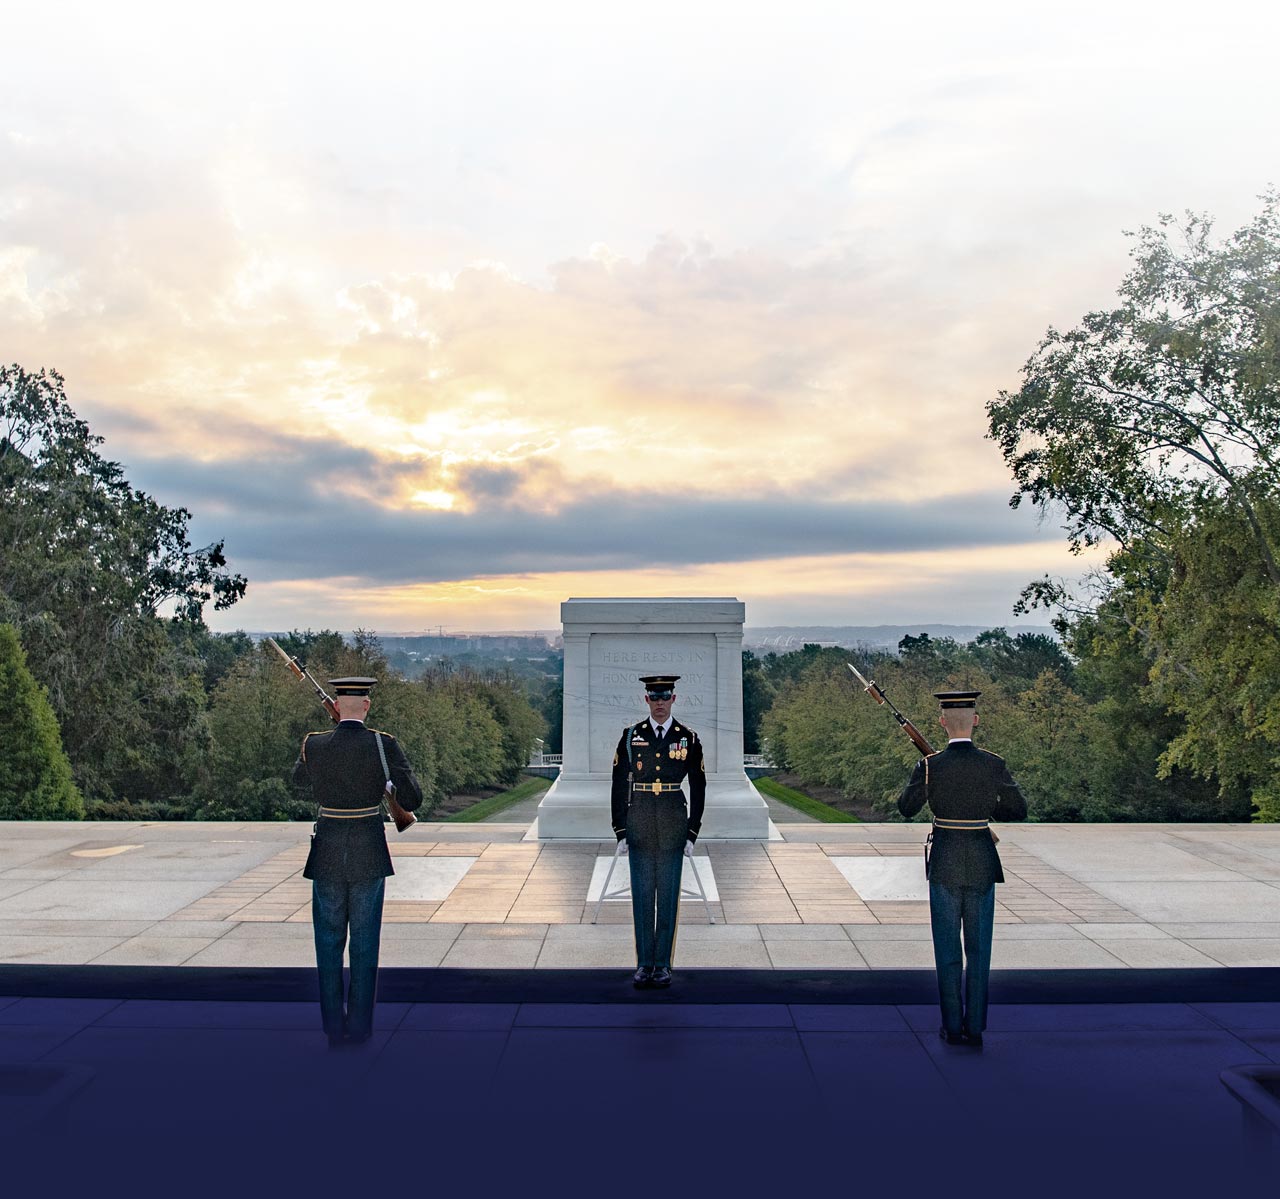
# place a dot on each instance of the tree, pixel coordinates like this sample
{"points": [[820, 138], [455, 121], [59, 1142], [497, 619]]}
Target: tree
{"points": [[71, 512], [1132, 728], [216, 652], [313, 649], [1048, 731], [89, 569], [519, 723], [822, 730], [1155, 427], [1084, 748], [1019, 661], [757, 696], [1220, 621], [465, 736], [258, 717], [35, 776], [1129, 421]]}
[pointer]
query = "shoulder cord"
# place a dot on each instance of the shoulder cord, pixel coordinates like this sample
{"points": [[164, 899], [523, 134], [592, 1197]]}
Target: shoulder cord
{"points": [[633, 731]]}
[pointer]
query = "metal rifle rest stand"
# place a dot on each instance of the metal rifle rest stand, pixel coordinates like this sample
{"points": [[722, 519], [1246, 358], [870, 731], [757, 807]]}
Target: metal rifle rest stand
{"points": [[605, 893]]}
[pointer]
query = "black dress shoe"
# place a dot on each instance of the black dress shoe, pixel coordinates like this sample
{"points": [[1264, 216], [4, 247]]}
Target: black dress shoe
{"points": [[973, 1040], [661, 977], [642, 977], [951, 1038]]}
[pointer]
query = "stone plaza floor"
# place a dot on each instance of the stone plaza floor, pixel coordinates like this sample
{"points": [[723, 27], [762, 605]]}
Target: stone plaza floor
{"points": [[483, 896], [797, 1051]]}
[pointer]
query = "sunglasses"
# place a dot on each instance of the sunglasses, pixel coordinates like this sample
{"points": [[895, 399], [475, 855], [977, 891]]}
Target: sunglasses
{"points": [[659, 695]]}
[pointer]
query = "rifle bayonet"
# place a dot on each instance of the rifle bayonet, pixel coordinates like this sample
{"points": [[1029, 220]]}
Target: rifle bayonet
{"points": [[873, 689]]}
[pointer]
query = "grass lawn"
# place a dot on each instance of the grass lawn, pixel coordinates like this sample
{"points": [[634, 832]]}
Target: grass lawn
{"points": [[497, 803], [802, 803]]}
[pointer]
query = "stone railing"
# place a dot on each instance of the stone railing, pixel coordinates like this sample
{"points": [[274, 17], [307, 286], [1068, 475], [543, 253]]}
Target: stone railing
{"points": [[749, 761]]}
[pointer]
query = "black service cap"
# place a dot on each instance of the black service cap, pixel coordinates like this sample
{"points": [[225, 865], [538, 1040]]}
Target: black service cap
{"points": [[957, 699], [659, 686]]}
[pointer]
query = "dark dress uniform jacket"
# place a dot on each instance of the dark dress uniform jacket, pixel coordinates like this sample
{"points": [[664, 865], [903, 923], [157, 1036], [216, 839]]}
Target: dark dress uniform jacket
{"points": [[964, 783], [648, 759], [344, 771]]}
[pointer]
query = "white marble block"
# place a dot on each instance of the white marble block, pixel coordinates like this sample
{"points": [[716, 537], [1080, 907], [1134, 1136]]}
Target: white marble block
{"points": [[608, 645]]}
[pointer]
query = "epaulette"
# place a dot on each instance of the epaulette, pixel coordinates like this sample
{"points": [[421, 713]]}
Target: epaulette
{"points": [[381, 733]]}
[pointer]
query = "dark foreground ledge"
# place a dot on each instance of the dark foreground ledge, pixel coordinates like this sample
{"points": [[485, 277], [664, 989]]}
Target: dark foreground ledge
{"points": [[445, 985]]}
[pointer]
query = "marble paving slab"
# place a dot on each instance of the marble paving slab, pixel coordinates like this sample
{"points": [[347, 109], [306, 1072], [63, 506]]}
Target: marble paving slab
{"points": [[884, 878], [620, 882], [429, 878]]}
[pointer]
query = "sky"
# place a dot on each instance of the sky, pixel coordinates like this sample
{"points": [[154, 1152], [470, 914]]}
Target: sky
{"points": [[441, 318]]}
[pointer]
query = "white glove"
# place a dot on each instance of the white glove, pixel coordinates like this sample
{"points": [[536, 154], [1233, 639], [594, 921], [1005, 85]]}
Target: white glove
{"points": [[622, 847], [389, 787], [688, 849]]}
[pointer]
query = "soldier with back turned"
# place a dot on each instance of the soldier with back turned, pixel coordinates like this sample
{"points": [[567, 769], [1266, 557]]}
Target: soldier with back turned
{"points": [[347, 769], [965, 788]]}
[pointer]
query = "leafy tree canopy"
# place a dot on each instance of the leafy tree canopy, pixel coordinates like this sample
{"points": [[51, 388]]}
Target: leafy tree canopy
{"points": [[70, 511], [1130, 420], [89, 566], [1155, 426], [35, 776]]}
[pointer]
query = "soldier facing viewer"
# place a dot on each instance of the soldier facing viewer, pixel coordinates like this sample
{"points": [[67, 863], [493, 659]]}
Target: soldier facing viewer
{"points": [[648, 807]]}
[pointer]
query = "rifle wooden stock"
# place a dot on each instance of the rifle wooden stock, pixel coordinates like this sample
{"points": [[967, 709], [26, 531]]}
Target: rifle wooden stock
{"points": [[917, 738], [402, 818]]}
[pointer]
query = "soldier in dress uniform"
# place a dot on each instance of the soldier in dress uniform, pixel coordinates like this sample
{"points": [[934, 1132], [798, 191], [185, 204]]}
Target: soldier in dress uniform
{"points": [[653, 758], [965, 788], [349, 861]]}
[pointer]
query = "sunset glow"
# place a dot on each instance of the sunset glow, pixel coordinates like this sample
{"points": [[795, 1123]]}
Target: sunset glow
{"points": [[438, 320]]}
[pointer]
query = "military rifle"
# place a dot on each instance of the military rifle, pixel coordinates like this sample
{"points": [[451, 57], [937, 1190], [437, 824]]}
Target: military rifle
{"points": [[402, 817], [874, 690]]}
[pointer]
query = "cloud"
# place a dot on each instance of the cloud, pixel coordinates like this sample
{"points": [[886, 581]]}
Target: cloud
{"points": [[569, 293], [299, 509], [977, 585]]}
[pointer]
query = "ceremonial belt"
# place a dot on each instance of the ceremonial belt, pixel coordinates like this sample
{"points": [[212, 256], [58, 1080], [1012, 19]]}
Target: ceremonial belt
{"points": [[967, 825], [655, 788], [349, 813]]}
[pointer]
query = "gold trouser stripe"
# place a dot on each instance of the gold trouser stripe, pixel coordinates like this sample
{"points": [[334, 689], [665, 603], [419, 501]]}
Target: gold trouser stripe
{"points": [[961, 824], [349, 813]]}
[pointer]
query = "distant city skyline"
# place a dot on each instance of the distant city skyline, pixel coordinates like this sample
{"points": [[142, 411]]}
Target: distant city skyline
{"points": [[443, 317], [780, 636]]}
